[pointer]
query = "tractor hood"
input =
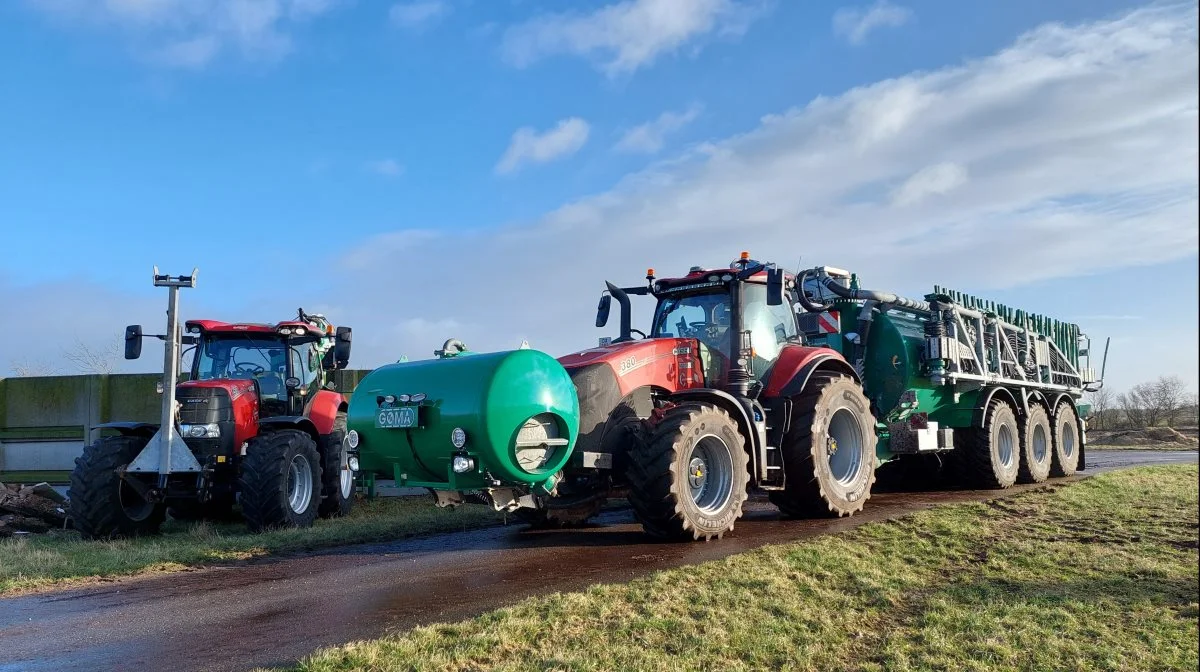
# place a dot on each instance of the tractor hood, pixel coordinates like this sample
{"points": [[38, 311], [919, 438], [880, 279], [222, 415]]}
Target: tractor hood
{"points": [[234, 387], [668, 363]]}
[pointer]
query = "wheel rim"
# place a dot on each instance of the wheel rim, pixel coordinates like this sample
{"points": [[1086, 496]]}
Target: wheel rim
{"points": [[347, 477], [844, 446], [1004, 445], [1068, 441], [710, 474], [136, 508], [1040, 443], [300, 484]]}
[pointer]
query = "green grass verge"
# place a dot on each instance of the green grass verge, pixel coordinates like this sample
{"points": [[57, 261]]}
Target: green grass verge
{"points": [[1098, 575], [61, 558]]}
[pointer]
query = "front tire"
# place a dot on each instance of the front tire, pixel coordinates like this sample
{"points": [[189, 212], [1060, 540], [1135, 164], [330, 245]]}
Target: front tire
{"points": [[337, 481], [689, 479], [102, 505], [280, 482], [1065, 459], [1036, 449], [829, 451]]}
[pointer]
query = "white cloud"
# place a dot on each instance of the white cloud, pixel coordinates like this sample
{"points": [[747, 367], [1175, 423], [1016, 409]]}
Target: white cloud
{"points": [[855, 23], [625, 36], [417, 14], [648, 138], [386, 167], [1081, 142], [930, 181], [192, 33], [530, 146]]}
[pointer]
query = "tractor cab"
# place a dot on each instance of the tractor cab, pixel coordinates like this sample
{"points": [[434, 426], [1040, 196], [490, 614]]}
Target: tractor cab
{"points": [[287, 362], [700, 306], [741, 316]]}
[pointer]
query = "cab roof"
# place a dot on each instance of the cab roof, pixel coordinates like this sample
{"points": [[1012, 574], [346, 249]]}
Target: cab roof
{"points": [[216, 326]]}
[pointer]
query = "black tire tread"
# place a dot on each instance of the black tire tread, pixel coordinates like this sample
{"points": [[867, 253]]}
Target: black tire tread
{"points": [[95, 504], [1056, 466], [1024, 470], [264, 476], [806, 498], [651, 476], [332, 505], [977, 453]]}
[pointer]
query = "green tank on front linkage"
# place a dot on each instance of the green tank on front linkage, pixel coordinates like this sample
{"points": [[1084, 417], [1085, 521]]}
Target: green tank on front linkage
{"points": [[502, 419]]}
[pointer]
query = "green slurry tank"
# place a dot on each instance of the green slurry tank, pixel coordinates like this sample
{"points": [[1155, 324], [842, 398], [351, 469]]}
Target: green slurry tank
{"points": [[504, 421]]}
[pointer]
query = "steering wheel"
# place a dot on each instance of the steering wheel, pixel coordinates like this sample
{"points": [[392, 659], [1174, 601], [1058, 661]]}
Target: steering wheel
{"points": [[249, 367], [707, 328]]}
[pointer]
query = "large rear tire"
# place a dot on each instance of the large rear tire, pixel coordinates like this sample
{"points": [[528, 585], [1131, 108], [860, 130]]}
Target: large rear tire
{"points": [[1036, 448], [990, 453], [337, 481], [102, 505], [280, 481], [829, 451], [689, 479], [1065, 459]]}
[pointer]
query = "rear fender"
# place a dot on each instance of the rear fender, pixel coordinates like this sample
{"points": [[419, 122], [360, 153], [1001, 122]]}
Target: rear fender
{"points": [[730, 404], [985, 400], [323, 408], [144, 429], [300, 422], [798, 380]]}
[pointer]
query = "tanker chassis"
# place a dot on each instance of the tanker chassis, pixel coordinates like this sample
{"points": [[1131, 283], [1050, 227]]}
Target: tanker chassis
{"points": [[800, 385]]}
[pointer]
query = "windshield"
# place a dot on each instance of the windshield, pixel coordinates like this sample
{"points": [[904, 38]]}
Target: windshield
{"points": [[704, 317], [264, 360], [770, 327]]}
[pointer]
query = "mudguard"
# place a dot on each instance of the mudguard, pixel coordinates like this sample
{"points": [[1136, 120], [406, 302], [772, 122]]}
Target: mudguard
{"points": [[322, 410]]}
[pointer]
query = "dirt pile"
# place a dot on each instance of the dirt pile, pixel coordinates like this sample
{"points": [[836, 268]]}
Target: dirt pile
{"points": [[30, 509], [1151, 437]]}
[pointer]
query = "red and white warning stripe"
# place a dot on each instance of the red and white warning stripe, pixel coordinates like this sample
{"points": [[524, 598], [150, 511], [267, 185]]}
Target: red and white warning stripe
{"points": [[829, 322]]}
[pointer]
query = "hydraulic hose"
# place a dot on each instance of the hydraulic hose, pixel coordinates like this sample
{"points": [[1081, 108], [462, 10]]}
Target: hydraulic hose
{"points": [[808, 304], [871, 295]]}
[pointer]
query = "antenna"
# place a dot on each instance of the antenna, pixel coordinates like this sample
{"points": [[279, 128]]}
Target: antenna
{"points": [[1104, 362]]}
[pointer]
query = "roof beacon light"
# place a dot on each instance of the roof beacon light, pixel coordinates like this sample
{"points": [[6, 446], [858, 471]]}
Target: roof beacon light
{"points": [[745, 256]]}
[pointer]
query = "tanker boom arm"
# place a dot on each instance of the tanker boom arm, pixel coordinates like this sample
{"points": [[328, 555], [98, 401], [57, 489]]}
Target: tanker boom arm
{"points": [[970, 342]]}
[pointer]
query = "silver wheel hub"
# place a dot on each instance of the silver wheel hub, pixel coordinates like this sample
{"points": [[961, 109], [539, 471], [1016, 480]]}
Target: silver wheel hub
{"points": [[346, 480], [710, 474], [844, 446], [299, 484], [1004, 446]]}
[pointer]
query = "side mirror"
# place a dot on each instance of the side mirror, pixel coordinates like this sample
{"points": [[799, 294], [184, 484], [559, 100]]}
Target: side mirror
{"points": [[602, 310], [774, 286], [341, 347], [133, 341]]}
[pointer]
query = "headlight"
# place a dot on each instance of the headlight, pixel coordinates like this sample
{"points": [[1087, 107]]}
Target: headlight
{"points": [[352, 439], [209, 431], [462, 464], [458, 437], [352, 463]]}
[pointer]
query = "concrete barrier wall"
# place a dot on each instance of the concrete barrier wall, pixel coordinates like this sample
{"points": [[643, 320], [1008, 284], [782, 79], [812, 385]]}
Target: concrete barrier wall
{"points": [[45, 421]]}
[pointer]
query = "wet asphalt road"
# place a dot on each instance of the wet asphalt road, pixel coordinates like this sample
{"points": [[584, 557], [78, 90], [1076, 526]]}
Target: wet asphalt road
{"points": [[274, 612]]}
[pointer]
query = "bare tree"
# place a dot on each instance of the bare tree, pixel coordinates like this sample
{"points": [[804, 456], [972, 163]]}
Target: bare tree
{"points": [[1154, 403], [1102, 408], [28, 368], [101, 359]]}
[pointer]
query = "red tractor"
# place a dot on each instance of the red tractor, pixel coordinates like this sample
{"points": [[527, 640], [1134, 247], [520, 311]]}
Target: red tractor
{"points": [[256, 420], [721, 395]]}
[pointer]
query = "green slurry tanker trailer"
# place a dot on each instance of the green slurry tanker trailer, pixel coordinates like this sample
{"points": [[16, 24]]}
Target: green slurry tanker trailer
{"points": [[800, 385]]}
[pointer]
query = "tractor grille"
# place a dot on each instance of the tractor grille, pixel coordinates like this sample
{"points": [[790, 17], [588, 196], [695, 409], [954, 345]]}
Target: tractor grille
{"points": [[202, 405]]}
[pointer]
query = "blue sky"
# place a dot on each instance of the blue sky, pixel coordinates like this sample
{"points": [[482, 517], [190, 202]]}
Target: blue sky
{"points": [[400, 165]]}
